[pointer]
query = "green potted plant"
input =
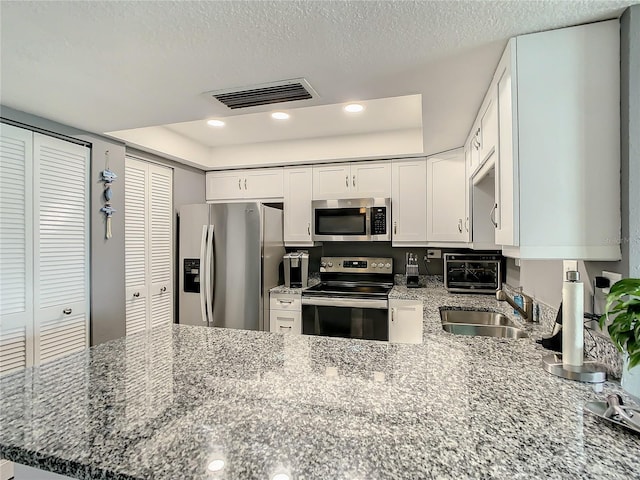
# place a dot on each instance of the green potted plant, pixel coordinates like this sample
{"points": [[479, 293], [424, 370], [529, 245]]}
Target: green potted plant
{"points": [[622, 314]]}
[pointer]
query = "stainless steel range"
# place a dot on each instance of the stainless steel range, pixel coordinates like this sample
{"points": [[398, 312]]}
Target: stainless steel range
{"points": [[351, 300]]}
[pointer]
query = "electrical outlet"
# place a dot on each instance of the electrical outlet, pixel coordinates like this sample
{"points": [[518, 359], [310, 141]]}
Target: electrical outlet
{"points": [[613, 278], [434, 253]]}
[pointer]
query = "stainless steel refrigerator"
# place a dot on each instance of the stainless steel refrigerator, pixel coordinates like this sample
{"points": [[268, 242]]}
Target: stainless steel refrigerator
{"points": [[230, 256]]}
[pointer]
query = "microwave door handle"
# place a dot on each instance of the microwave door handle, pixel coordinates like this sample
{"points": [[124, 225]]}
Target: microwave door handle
{"points": [[203, 275], [210, 275]]}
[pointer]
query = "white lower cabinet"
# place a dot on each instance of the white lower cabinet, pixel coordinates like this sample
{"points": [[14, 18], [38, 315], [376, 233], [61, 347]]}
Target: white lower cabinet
{"points": [[285, 313], [405, 321]]}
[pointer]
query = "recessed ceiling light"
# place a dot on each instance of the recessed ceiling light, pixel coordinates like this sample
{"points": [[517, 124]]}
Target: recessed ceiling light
{"points": [[353, 108], [215, 123], [280, 115], [215, 465]]}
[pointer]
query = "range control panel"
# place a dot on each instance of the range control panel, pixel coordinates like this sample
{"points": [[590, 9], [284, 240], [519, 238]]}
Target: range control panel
{"points": [[378, 220], [356, 265]]}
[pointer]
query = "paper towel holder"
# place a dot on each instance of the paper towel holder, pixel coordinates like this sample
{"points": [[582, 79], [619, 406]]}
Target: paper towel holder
{"points": [[589, 372]]}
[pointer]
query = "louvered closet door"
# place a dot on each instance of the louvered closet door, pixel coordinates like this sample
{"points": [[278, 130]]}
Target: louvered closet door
{"points": [[136, 241], [16, 253], [61, 249], [160, 244]]}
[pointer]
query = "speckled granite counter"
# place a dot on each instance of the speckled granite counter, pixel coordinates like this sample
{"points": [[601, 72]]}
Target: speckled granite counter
{"points": [[162, 405], [296, 291]]}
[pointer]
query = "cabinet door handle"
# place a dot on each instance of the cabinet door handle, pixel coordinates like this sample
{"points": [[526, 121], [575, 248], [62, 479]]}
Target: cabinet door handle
{"points": [[393, 314], [354, 180], [492, 215], [163, 289], [245, 183], [137, 294], [285, 301], [239, 184], [346, 181], [466, 224], [460, 225], [283, 327], [308, 229], [67, 311], [395, 228]]}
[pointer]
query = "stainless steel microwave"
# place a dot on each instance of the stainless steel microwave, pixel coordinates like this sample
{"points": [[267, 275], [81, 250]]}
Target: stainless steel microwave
{"points": [[352, 220]]}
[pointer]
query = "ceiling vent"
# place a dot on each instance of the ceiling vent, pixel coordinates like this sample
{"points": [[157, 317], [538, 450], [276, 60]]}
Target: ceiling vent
{"points": [[264, 94]]}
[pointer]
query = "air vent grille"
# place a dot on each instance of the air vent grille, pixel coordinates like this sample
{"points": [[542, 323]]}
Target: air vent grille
{"points": [[280, 92]]}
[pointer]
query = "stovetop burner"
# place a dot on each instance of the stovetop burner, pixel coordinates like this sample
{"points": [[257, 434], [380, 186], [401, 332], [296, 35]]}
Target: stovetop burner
{"points": [[350, 288]]}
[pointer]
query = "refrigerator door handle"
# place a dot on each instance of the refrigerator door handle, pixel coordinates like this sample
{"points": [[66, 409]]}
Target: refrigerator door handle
{"points": [[210, 276], [203, 274]]}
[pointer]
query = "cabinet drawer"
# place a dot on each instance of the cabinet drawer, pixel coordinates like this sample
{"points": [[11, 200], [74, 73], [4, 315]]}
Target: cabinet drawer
{"points": [[286, 301], [286, 321]]}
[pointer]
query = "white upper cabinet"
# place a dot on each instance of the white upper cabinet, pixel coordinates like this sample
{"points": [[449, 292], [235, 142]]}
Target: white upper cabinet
{"points": [[331, 182], [226, 185], [259, 183], [557, 187], [409, 202], [297, 206], [447, 185], [371, 179], [488, 133], [506, 206], [352, 180]]}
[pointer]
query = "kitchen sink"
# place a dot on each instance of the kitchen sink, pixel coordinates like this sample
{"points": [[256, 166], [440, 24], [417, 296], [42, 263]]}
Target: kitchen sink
{"points": [[474, 317], [477, 323]]}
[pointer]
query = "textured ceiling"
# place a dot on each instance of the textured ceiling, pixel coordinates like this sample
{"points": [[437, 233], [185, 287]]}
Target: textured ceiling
{"points": [[112, 65]]}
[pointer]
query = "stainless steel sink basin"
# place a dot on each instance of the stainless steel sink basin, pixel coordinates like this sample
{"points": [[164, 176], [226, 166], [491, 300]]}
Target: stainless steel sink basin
{"points": [[501, 331], [473, 317], [477, 323]]}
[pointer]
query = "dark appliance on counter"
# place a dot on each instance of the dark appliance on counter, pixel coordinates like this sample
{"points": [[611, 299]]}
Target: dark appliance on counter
{"points": [[472, 272], [296, 269], [351, 300], [352, 220]]}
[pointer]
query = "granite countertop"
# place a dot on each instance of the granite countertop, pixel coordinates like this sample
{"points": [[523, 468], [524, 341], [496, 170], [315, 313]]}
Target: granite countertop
{"points": [[164, 404]]}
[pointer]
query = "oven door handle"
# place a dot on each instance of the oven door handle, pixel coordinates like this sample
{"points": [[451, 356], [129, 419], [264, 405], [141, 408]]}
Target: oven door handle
{"points": [[345, 302]]}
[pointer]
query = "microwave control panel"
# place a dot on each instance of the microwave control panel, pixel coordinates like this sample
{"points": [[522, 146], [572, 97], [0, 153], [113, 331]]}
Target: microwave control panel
{"points": [[378, 220]]}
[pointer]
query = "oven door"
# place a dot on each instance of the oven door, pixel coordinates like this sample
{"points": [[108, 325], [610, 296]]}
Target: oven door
{"points": [[346, 317]]}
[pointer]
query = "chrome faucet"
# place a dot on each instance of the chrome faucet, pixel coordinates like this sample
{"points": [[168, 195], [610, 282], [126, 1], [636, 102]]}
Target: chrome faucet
{"points": [[526, 311]]}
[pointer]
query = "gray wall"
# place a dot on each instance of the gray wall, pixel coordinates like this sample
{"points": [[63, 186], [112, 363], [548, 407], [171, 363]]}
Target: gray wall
{"points": [[543, 279], [107, 256]]}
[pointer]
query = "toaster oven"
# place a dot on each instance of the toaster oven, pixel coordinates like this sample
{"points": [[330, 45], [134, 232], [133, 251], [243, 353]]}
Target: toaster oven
{"points": [[472, 272]]}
